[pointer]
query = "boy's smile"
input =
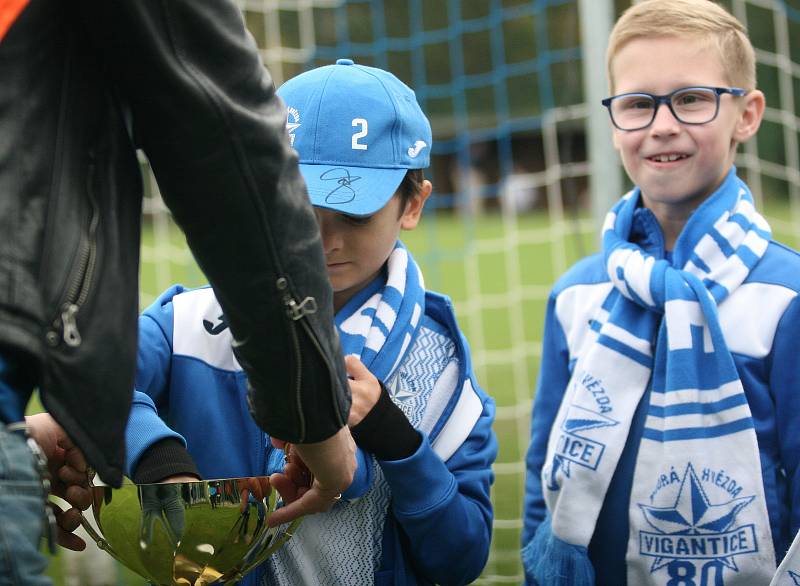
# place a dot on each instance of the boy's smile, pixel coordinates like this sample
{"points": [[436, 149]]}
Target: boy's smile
{"points": [[678, 165]]}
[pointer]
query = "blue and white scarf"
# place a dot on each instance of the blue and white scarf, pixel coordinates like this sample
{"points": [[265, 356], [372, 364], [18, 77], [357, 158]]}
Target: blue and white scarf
{"points": [[697, 511], [379, 325]]}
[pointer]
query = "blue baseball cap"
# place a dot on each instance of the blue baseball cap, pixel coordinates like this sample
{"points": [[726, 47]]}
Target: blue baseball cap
{"points": [[357, 130]]}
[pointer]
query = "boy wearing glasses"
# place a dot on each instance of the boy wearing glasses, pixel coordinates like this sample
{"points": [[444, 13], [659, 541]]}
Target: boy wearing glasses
{"points": [[665, 435]]}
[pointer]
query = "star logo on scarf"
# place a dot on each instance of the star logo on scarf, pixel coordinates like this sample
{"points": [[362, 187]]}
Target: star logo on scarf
{"points": [[795, 577], [697, 528]]}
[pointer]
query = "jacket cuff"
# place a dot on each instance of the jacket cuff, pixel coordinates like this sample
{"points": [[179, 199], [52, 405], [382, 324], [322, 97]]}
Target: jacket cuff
{"points": [[385, 431], [164, 458], [419, 483], [362, 480]]}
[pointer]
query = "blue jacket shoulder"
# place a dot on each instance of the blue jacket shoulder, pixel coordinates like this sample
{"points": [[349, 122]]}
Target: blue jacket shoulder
{"points": [[780, 265], [587, 271], [439, 307], [168, 295]]}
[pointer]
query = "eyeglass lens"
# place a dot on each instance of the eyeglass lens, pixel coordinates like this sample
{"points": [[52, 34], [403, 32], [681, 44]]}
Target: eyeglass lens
{"points": [[690, 106]]}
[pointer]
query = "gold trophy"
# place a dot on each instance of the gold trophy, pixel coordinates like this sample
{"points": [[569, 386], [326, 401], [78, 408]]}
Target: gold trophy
{"points": [[188, 533]]}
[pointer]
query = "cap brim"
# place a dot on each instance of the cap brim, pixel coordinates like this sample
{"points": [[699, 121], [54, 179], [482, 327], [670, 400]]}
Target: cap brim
{"points": [[356, 191]]}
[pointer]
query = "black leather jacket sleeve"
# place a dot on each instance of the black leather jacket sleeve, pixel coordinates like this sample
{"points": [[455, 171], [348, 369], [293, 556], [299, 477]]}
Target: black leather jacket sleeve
{"points": [[204, 110]]}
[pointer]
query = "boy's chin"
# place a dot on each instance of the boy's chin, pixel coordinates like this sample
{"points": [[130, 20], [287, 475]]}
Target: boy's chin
{"points": [[677, 196]]}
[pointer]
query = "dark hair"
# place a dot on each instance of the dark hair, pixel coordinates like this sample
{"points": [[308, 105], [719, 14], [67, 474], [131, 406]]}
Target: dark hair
{"points": [[409, 187]]}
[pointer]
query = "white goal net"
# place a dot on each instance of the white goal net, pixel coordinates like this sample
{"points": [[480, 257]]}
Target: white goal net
{"points": [[503, 84]]}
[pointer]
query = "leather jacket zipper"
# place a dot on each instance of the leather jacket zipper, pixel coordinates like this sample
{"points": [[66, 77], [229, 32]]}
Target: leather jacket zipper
{"points": [[296, 312], [81, 281]]}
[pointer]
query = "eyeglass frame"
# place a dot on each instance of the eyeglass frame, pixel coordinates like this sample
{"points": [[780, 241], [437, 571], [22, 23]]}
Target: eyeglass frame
{"points": [[667, 99]]}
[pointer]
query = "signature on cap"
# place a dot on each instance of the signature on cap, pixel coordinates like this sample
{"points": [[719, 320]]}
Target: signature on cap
{"points": [[344, 180]]}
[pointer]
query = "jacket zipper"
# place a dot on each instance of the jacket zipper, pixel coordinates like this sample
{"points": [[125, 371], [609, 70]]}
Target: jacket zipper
{"points": [[296, 312], [80, 284]]}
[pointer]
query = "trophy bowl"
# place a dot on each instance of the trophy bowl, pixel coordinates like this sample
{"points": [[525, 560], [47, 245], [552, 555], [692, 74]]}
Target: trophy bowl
{"points": [[188, 533]]}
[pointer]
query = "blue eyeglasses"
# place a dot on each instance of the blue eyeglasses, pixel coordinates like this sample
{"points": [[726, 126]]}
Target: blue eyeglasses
{"points": [[689, 105]]}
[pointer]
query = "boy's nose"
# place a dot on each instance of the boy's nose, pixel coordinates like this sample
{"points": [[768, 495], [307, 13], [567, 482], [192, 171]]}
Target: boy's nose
{"points": [[664, 122], [330, 244], [331, 238]]}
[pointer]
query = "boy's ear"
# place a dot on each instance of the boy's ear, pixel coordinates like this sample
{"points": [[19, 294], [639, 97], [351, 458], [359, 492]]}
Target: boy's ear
{"points": [[415, 205], [750, 116]]}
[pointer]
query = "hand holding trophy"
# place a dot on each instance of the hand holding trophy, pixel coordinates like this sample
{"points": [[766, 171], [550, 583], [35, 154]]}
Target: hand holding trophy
{"points": [[189, 533]]}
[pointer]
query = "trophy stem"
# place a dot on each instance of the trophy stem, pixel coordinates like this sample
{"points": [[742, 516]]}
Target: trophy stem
{"points": [[101, 543]]}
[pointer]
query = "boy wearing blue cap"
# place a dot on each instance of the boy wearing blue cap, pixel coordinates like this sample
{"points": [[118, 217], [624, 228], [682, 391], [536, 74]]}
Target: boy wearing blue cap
{"points": [[664, 439], [419, 509]]}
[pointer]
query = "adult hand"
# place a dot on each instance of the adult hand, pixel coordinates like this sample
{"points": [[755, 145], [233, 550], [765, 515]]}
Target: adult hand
{"points": [[364, 388], [295, 479], [68, 478], [332, 463]]}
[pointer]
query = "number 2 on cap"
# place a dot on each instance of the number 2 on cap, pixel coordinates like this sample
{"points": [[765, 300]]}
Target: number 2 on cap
{"points": [[357, 146]]}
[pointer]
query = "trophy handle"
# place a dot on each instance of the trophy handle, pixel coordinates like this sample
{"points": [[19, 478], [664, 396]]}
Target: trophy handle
{"points": [[91, 476], [101, 543], [272, 548]]}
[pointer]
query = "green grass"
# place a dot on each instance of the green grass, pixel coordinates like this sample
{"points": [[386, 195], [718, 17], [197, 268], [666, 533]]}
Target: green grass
{"points": [[498, 273]]}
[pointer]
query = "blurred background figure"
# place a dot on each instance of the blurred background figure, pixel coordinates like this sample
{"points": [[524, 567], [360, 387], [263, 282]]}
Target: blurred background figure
{"points": [[91, 567]]}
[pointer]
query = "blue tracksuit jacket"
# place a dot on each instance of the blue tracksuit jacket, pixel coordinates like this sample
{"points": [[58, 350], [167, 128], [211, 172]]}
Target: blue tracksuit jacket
{"points": [[439, 520]]}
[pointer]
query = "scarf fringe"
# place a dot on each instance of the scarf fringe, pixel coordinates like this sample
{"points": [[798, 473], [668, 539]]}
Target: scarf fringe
{"points": [[550, 561]]}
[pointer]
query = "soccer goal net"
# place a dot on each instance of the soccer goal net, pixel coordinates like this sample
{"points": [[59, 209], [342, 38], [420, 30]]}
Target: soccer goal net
{"points": [[510, 87]]}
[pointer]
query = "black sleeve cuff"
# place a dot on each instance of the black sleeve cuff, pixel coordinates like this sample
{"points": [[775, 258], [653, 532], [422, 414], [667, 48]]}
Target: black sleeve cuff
{"points": [[385, 431], [164, 458]]}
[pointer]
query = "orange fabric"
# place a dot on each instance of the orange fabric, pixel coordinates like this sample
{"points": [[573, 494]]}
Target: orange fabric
{"points": [[9, 11]]}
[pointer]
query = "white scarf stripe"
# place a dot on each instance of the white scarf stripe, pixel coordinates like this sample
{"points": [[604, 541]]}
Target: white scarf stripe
{"points": [[698, 420], [375, 339], [680, 315], [733, 274], [636, 269], [662, 399], [608, 223], [695, 270], [627, 338], [762, 224], [386, 314], [416, 315], [360, 321], [756, 243], [712, 255], [730, 230], [397, 265]]}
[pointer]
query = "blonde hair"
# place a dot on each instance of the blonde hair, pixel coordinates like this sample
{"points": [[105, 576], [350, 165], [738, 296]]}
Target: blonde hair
{"points": [[702, 19]]}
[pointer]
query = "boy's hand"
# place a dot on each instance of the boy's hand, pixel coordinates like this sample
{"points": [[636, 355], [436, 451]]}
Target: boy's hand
{"points": [[364, 387]]}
